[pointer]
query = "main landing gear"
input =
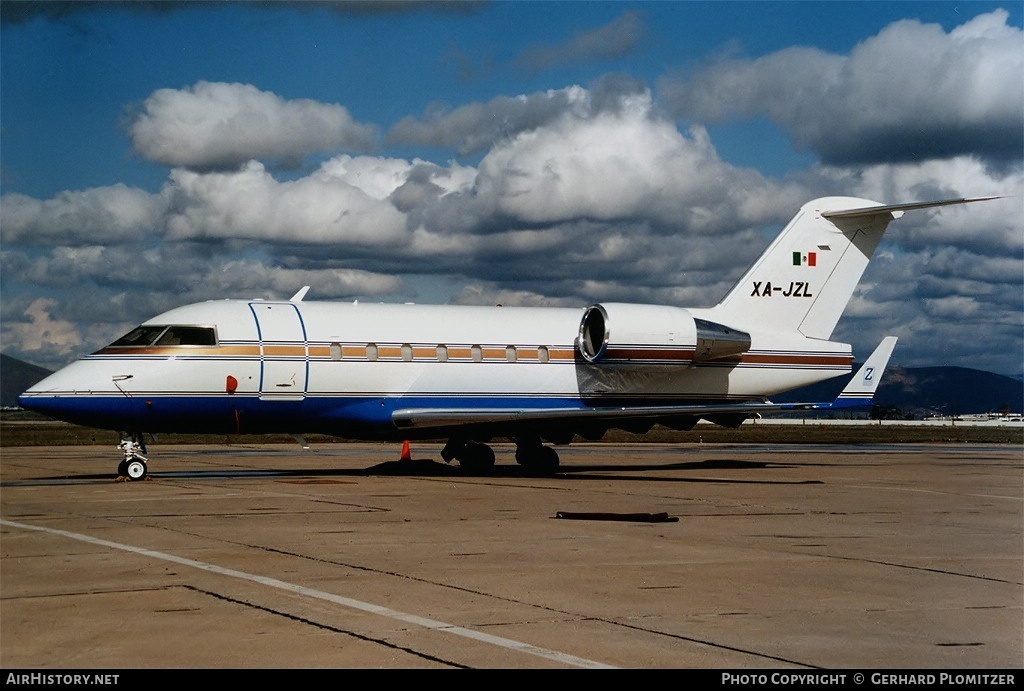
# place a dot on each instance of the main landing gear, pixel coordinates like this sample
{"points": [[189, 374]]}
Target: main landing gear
{"points": [[533, 455], [476, 456], [471, 455], [133, 467]]}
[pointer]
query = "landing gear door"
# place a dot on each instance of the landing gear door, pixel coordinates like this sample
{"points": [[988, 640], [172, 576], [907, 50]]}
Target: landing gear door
{"points": [[284, 352]]}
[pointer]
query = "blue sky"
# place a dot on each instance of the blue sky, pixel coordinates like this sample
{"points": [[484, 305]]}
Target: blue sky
{"points": [[548, 153]]}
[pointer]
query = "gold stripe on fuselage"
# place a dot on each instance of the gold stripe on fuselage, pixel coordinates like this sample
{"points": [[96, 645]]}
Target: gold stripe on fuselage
{"points": [[354, 352]]}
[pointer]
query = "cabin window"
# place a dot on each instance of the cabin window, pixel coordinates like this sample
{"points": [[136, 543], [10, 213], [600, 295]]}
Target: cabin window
{"points": [[406, 352], [478, 353], [442, 353], [336, 351], [371, 352], [510, 353], [542, 354]]}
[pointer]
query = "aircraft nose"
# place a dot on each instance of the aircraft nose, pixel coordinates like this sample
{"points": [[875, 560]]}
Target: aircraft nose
{"points": [[51, 395], [35, 399], [87, 393], [29, 403]]}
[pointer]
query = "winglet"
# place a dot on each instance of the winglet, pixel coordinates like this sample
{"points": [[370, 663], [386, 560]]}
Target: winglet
{"points": [[862, 387], [299, 295]]}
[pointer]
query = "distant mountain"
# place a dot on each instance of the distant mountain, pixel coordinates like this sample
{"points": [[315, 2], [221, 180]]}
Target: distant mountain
{"points": [[923, 391], [917, 391], [16, 376]]}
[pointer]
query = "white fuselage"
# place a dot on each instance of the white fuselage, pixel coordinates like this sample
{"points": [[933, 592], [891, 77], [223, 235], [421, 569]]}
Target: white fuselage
{"points": [[344, 368]]}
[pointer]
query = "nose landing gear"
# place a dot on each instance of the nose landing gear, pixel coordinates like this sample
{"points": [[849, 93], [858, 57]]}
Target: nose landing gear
{"points": [[133, 467]]}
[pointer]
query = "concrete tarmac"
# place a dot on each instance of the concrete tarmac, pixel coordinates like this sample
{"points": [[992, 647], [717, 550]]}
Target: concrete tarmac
{"points": [[634, 556]]}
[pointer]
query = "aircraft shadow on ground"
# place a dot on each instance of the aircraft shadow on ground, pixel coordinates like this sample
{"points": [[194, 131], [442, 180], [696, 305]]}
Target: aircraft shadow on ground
{"points": [[590, 471], [432, 468]]}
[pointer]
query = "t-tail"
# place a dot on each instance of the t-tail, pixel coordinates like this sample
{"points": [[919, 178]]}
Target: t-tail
{"points": [[802, 283]]}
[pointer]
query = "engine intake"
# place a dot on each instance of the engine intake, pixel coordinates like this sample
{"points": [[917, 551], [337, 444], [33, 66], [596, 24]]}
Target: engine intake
{"points": [[616, 332]]}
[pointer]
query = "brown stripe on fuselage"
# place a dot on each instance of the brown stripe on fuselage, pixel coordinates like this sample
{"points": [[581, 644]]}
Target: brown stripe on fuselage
{"points": [[681, 354], [284, 351], [490, 353], [168, 351], [790, 359]]}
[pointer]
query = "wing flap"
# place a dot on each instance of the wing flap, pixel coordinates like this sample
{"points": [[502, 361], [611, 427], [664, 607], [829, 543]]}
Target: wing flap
{"points": [[425, 418]]}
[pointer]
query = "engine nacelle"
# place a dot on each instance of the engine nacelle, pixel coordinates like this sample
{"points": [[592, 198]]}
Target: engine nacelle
{"points": [[618, 332]]}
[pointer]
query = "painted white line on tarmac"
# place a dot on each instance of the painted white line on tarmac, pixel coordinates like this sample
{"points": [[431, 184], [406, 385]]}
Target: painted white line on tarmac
{"points": [[329, 597]]}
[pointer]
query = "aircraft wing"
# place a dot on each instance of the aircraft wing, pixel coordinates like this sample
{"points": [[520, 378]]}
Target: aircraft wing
{"points": [[859, 392]]}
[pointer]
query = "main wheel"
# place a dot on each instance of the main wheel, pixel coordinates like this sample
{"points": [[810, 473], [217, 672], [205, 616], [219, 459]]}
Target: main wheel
{"points": [[539, 458], [476, 456]]}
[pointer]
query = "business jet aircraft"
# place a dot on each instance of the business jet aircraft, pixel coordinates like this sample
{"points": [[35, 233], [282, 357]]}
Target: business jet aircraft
{"points": [[470, 374]]}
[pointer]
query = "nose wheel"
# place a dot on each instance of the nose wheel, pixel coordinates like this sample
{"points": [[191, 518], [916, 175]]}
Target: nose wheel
{"points": [[133, 467]]}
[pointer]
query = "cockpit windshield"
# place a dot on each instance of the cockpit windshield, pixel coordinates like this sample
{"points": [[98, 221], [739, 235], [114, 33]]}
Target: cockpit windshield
{"points": [[167, 336]]}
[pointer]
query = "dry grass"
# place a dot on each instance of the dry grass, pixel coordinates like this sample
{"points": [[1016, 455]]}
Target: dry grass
{"points": [[27, 432]]}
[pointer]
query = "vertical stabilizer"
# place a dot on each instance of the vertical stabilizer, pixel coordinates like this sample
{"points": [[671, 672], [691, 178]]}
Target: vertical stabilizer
{"points": [[804, 280]]}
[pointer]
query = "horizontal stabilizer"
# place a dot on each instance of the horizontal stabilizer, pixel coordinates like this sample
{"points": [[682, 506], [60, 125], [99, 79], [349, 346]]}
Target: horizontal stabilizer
{"points": [[898, 209]]}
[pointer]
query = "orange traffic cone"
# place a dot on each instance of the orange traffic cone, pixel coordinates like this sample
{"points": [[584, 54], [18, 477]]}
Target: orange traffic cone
{"points": [[406, 454]]}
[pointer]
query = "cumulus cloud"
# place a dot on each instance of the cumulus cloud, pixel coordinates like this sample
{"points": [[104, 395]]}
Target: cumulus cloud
{"points": [[577, 202], [105, 214], [213, 125], [909, 93], [255, 278], [251, 204], [39, 331], [475, 127], [613, 166]]}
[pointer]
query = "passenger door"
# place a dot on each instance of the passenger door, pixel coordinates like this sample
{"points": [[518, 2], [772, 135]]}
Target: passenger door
{"points": [[284, 351]]}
